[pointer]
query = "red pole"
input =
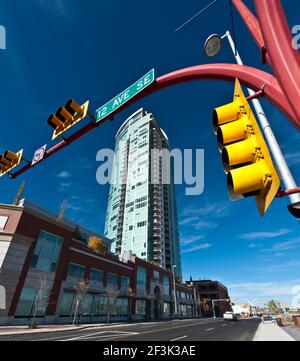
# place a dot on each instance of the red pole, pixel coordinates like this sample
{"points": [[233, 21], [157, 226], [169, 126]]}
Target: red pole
{"points": [[251, 77], [285, 60]]}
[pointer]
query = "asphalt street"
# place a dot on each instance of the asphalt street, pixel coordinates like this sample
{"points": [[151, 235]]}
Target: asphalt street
{"points": [[175, 330]]}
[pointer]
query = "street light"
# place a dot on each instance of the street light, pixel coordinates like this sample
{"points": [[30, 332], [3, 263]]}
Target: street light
{"points": [[175, 301], [212, 47]]}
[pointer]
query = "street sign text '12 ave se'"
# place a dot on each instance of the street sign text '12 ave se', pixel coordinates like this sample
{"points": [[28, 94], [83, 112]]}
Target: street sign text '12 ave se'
{"points": [[125, 95]]}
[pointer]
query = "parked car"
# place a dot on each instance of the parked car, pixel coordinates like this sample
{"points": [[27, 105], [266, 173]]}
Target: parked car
{"points": [[268, 317], [228, 315]]}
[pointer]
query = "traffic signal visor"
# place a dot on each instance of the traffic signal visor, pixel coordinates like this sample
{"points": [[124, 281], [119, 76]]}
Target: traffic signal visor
{"points": [[9, 160], [245, 155], [67, 116]]}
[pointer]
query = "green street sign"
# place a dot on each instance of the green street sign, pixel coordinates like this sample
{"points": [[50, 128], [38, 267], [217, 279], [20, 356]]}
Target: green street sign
{"points": [[125, 95]]}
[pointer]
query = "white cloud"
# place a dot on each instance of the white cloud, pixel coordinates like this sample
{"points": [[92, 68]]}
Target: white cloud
{"points": [[278, 267], [293, 158], [214, 209], [191, 239], [64, 174], [197, 247], [283, 246], [255, 245], [264, 235]]}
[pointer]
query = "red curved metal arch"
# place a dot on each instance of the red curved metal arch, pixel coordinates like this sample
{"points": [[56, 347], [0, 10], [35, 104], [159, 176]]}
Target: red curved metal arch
{"points": [[278, 39], [251, 77]]}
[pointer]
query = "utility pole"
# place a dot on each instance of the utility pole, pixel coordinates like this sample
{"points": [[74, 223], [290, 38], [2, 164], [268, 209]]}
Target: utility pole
{"points": [[174, 286]]}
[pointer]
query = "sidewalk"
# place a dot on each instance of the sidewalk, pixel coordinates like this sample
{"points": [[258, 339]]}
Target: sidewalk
{"points": [[15, 330], [270, 331]]}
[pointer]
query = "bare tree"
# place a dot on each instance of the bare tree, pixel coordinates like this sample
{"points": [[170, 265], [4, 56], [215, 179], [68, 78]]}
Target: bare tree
{"points": [[112, 295], [41, 299], [81, 290]]}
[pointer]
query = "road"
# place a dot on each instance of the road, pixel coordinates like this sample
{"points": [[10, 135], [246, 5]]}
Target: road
{"points": [[175, 330]]}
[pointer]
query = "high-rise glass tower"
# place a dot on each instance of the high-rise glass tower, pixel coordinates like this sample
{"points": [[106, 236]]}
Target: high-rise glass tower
{"points": [[142, 213]]}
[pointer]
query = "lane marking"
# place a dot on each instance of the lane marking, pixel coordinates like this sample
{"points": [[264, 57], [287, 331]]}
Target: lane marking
{"points": [[178, 338], [99, 333], [209, 329], [224, 324]]}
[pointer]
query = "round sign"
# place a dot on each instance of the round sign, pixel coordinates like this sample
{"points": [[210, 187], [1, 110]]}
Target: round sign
{"points": [[212, 45]]}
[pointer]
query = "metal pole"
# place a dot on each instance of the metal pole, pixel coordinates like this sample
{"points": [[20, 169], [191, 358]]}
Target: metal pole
{"points": [[279, 159], [213, 306], [175, 301]]}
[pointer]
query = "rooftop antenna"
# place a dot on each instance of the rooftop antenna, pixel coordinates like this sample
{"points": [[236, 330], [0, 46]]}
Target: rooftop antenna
{"points": [[63, 207]]}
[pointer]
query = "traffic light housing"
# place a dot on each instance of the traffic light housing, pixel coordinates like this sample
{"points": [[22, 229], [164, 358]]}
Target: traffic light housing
{"points": [[67, 116], [9, 160], [245, 155]]}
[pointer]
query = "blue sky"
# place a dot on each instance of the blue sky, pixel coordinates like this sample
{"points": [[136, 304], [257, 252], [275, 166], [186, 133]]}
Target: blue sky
{"points": [[57, 49]]}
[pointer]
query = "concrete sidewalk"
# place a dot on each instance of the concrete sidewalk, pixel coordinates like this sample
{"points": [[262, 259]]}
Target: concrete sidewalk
{"points": [[270, 331], [15, 330]]}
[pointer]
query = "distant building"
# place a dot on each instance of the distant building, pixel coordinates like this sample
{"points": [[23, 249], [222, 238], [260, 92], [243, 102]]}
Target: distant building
{"points": [[207, 291], [142, 216], [38, 251]]}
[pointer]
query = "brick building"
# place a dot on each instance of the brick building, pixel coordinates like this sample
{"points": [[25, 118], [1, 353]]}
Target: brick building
{"points": [[207, 291], [44, 259]]}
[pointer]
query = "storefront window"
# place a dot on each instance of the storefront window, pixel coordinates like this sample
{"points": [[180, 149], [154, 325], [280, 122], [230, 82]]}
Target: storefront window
{"points": [[140, 307], [100, 305], [87, 305], [75, 270], [66, 307], [166, 308]]}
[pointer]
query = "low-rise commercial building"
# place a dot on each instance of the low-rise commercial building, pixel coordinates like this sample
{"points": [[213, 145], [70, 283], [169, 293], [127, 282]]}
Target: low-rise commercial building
{"points": [[48, 272]]}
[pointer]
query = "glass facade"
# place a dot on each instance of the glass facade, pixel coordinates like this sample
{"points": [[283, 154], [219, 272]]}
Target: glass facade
{"points": [[141, 216], [140, 307], [47, 252], [28, 305], [124, 283]]}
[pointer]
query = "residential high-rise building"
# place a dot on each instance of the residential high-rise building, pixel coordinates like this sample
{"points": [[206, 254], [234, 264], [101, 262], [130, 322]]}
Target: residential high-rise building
{"points": [[142, 213]]}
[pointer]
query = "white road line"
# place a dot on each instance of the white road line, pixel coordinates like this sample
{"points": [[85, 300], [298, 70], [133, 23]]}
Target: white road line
{"points": [[98, 333], [178, 338], [209, 329], [224, 324]]}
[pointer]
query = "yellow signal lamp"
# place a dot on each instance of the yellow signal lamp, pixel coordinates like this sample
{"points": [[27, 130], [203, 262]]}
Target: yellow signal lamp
{"points": [[54, 122], [74, 108], [246, 181], [231, 132], [63, 115], [9, 160], [225, 114], [238, 154]]}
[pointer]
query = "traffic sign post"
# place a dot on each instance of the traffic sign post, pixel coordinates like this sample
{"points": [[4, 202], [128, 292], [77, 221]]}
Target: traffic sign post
{"points": [[125, 95]]}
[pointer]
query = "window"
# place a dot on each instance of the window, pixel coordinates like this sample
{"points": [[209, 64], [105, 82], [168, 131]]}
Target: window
{"points": [[3, 221], [130, 228], [87, 305], [96, 275], [112, 280], [47, 252], [122, 307], [25, 304], [140, 307], [66, 306], [141, 280], [75, 270], [166, 308], [166, 285], [156, 275], [124, 283], [100, 305], [141, 224]]}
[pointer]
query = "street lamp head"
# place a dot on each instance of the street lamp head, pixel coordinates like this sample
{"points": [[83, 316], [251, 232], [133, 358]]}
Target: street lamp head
{"points": [[213, 45]]}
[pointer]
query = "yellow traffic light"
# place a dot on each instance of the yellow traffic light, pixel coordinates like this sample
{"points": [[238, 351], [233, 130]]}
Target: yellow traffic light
{"points": [[245, 155], [67, 116], [9, 160]]}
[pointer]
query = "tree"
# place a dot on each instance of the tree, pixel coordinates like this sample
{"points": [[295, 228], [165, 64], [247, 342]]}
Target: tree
{"points": [[96, 244], [274, 306], [62, 210], [81, 290], [205, 303], [112, 295], [20, 193], [41, 299]]}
